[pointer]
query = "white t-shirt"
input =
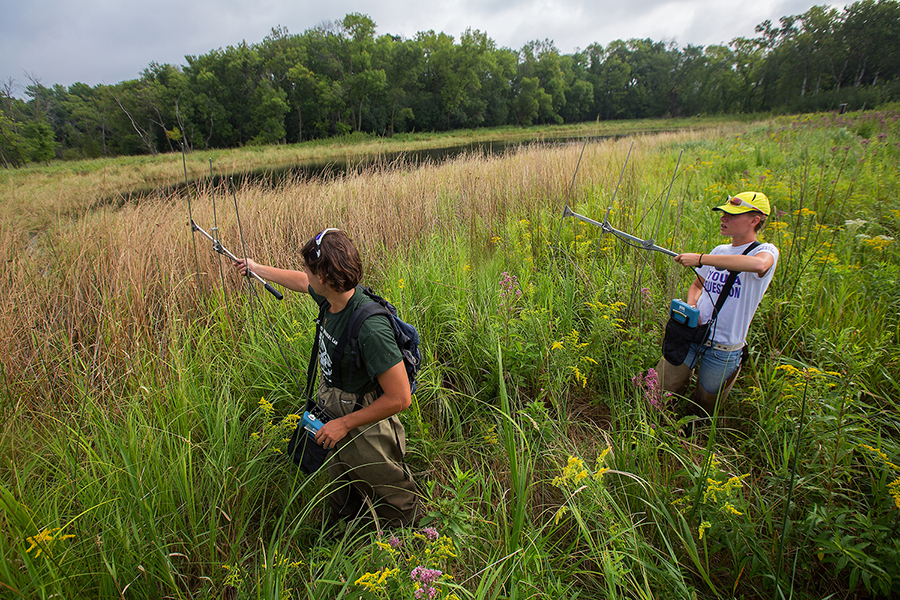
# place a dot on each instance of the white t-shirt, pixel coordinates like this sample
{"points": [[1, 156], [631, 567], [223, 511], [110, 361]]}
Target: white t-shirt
{"points": [[734, 319]]}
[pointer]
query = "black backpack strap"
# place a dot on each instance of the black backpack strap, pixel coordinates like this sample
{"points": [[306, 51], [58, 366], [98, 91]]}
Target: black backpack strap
{"points": [[729, 283], [350, 336], [314, 355]]}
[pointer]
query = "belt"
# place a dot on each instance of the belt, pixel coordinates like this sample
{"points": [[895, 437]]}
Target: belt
{"points": [[724, 347]]}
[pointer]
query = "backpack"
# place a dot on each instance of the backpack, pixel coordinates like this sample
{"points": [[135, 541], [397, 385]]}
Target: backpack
{"points": [[405, 335]]}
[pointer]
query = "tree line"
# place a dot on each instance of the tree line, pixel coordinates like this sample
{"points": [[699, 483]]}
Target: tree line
{"points": [[340, 78]]}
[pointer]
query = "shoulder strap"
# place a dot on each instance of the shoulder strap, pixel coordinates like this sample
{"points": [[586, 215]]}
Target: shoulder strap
{"points": [[729, 283], [350, 336], [311, 371]]}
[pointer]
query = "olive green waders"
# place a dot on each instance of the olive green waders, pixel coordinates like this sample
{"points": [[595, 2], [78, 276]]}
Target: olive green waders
{"points": [[368, 463], [677, 378]]}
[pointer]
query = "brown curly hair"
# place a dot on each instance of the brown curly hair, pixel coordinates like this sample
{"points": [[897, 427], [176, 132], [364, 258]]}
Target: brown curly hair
{"points": [[335, 259]]}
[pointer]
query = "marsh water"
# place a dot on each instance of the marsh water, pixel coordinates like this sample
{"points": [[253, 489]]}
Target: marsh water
{"points": [[275, 176]]}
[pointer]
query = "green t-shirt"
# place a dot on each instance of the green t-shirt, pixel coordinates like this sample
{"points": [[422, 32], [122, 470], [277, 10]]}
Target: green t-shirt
{"points": [[376, 342]]}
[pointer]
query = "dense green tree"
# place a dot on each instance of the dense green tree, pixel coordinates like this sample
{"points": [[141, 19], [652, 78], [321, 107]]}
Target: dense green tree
{"points": [[14, 149], [403, 67], [338, 77], [613, 79], [38, 136], [540, 60], [578, 90]]}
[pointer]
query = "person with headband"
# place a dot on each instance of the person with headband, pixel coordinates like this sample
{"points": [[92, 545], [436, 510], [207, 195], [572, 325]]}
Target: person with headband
{"points": [[367, 438], [717, 361]]}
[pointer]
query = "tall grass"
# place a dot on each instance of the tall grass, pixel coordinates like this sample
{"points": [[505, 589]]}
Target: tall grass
{"points": [[144, 404]]}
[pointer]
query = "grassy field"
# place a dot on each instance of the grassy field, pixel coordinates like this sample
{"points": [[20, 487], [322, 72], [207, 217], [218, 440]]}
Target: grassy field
{"points": [[32, 199], [146, 398]]}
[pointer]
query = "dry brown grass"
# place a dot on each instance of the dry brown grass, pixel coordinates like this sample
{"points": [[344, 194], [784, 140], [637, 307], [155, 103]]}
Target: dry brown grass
{"points": [[87, 296]]}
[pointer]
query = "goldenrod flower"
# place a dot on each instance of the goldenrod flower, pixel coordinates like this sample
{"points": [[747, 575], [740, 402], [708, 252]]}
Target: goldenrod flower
{"points": [[894, 490], [491, 436], [45, 540], [574, 472], [374, 582], [559, 514]]}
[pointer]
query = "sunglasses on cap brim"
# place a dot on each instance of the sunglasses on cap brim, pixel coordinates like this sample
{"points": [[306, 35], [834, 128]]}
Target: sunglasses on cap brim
{"points": [[735, 201]]}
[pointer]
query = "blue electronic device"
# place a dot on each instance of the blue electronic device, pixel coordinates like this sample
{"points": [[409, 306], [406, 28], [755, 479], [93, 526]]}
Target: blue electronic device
{"points": [[684, 313], [310, 423]]}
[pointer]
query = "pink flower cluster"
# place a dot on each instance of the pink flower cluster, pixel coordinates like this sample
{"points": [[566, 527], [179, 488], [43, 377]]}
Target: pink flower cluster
{"points": [[509, 290], [425, 577], [648, 383]]}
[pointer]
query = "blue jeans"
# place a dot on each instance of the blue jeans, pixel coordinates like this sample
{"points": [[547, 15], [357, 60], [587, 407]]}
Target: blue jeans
{"points": [[713, 367]]}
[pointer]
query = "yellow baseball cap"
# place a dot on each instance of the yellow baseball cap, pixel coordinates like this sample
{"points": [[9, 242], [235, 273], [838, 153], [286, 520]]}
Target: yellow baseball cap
{"points": [[746, 202]]}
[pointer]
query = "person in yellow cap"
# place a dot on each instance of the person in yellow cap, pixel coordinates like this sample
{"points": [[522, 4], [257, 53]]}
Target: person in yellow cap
{"points": [[717, 361]]}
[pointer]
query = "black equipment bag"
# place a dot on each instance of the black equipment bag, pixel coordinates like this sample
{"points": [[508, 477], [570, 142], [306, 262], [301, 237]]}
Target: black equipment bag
{"points": [[302, 448], [679, 336]]}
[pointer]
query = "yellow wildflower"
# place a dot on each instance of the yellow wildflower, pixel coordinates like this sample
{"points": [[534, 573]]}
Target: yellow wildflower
{"points": [[894, 490], [730, 508], [703, 527], [603, 454], [290, 421], [491, 437], [45, 540], [559, 514], [574, 471], [444, 548], [579, 376], [235, 576], [374, 582]]}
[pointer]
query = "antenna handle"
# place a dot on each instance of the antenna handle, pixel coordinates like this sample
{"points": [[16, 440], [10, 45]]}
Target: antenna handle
{"points": [[278, 295]]}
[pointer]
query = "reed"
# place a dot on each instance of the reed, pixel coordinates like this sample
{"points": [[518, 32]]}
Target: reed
{"points": [[143, 405]]}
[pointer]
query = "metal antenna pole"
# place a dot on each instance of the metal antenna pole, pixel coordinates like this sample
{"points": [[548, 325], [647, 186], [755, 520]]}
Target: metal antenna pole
{"points": [[566, 204], [215, 233], [244, 249], [635, 286], [187, 190], [611, 203]]}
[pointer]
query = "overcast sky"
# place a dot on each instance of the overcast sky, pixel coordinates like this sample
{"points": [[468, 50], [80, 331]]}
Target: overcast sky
{"points": [[108, 41]]}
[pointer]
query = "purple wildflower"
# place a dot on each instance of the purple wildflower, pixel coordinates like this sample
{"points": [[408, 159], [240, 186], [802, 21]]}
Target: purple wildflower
{"points": [[431, 533], [509, 290], [648, 383], [395, 542], [645, 295], [425, 577]]}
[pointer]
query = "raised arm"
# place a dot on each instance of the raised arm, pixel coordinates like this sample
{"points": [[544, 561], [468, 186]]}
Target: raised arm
{"points": [[297, 281], [759, 263]]}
